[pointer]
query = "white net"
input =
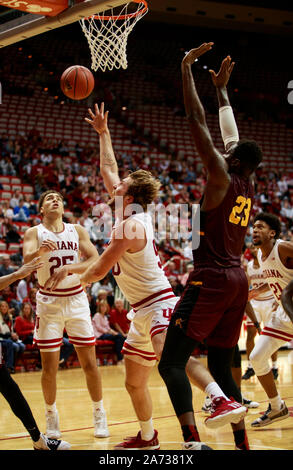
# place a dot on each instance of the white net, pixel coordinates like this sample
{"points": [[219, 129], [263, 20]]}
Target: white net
{"points": [[107, 35]]}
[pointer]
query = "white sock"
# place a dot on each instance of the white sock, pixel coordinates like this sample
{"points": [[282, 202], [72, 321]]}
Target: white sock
{"points": [[276, 403], [249, 365], [147, 429], [274, 365], [51, 408], [98, 405], [213, 391]]}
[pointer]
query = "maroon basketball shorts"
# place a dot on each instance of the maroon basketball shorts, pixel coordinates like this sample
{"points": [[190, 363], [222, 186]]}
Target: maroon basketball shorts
{"points": [[212, 306]]}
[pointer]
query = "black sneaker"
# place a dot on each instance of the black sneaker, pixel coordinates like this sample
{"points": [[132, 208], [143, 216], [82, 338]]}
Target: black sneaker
{"points": [[44, 443], [193, 445], [249, 373], [275, 372]]}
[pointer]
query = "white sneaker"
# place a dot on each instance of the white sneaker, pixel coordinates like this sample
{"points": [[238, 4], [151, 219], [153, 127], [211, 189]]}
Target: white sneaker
{"points": [[44, 443], [52, 420], [207, 406], [100, 424], [249, 403], [194, 445]]}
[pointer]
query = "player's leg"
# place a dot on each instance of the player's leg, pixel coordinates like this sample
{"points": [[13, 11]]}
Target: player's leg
{"points": [[219, 363], [50, 364], [136, 383], [81, 334], [87, 359], [260, 356], [12, 393], [172, 367], [251, 333]]}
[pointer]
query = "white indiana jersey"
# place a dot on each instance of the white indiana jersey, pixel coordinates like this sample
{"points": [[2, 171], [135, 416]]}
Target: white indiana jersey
{"points": [[257, 280], [275, 273], [140, 275], [67, 253]]}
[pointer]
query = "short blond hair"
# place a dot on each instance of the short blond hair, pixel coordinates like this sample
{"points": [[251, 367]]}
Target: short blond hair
{"points": [[144, 188]]}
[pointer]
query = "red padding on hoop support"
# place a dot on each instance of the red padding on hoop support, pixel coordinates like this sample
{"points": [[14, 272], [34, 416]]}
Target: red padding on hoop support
{"points": [[38, 7]]}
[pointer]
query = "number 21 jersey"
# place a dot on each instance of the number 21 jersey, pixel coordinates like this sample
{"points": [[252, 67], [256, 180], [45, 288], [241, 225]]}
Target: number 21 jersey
{"points": [[275, 273], [67, 242]]}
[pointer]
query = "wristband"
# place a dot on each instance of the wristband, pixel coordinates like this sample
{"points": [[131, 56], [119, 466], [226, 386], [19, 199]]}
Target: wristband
{"points": [[256, 324]]}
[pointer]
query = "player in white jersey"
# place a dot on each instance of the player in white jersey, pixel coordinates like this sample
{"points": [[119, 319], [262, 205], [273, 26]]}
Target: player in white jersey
{"points": [[276, 261], [136, 266], [59, 245], [263, 306]]}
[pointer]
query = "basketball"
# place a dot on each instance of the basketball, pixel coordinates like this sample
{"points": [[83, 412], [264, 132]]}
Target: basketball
{"points": [[77, 82]]}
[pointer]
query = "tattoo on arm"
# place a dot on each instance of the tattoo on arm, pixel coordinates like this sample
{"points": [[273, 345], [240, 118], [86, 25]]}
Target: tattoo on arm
{"points": [[109, 160]]}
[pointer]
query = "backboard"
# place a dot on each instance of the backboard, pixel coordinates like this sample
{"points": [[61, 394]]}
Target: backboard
{"points": [[16, 25]]}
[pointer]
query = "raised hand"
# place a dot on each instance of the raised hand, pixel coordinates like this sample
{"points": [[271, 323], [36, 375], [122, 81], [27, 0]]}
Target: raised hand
{"points": [[221, 78], [46, 246], [58, 276], [193, 54], [99, 119]]}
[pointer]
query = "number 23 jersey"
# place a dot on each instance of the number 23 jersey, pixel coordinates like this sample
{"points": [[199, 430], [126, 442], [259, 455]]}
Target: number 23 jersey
{"points": [[67, 253]]}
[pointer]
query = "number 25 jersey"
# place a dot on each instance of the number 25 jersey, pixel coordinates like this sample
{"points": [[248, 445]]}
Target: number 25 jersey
{"points": [[67, 253]]}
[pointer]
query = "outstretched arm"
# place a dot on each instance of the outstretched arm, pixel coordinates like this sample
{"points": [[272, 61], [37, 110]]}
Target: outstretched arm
{"points": [[108, 164], [227, 121], [210, 157], [22, 272]]}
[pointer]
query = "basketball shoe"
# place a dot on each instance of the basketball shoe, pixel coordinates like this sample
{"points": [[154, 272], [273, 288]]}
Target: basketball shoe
{"points": [[270, 416], [44, 443], [100, 424], [249, 403], [248, 373], [194, 445], [224, 412], [207, 406], [52, 422], [137, 443]]}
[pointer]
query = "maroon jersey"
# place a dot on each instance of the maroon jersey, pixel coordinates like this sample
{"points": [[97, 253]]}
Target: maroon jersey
{"points": [[223, 228]]}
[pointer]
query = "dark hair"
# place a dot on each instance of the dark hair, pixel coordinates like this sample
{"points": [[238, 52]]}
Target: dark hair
{"points": [[43, 195], [249, 153], [271, 220]]}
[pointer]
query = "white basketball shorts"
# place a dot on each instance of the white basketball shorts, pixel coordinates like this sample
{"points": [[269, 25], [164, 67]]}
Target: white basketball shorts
{"points": [[145, 324], [263, 310], [54, 314]]}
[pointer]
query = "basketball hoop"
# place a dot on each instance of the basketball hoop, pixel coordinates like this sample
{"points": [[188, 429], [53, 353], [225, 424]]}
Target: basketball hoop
{"points": [[107, 34]]}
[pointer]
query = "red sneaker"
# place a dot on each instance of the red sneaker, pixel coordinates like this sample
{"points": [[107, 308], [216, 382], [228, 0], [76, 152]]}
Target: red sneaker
{"points": [[137, 443], [225, 412]]}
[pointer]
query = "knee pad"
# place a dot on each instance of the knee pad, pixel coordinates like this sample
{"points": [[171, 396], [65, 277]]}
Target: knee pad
{"points": [[259, 363]]}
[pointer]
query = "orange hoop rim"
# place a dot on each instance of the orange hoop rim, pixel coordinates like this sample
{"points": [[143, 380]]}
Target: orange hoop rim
{"points": [[123, 17]]}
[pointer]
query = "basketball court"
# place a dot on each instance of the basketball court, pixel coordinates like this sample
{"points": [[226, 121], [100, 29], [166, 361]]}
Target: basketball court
{"points": [[75, 411]]}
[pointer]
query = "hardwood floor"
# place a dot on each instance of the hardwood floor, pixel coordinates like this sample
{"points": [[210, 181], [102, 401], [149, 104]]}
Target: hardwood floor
{"points": [[75, 412]]}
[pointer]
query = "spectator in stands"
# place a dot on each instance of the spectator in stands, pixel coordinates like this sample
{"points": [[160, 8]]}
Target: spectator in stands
{"points": [[24, 324], [21, 212], [118, 317], [30, 205], [10, 341], [66, 350], [6, 267], [183, 278], [7, 211], [171, 269], [12, 235], [103, 330], [14, 201]]}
